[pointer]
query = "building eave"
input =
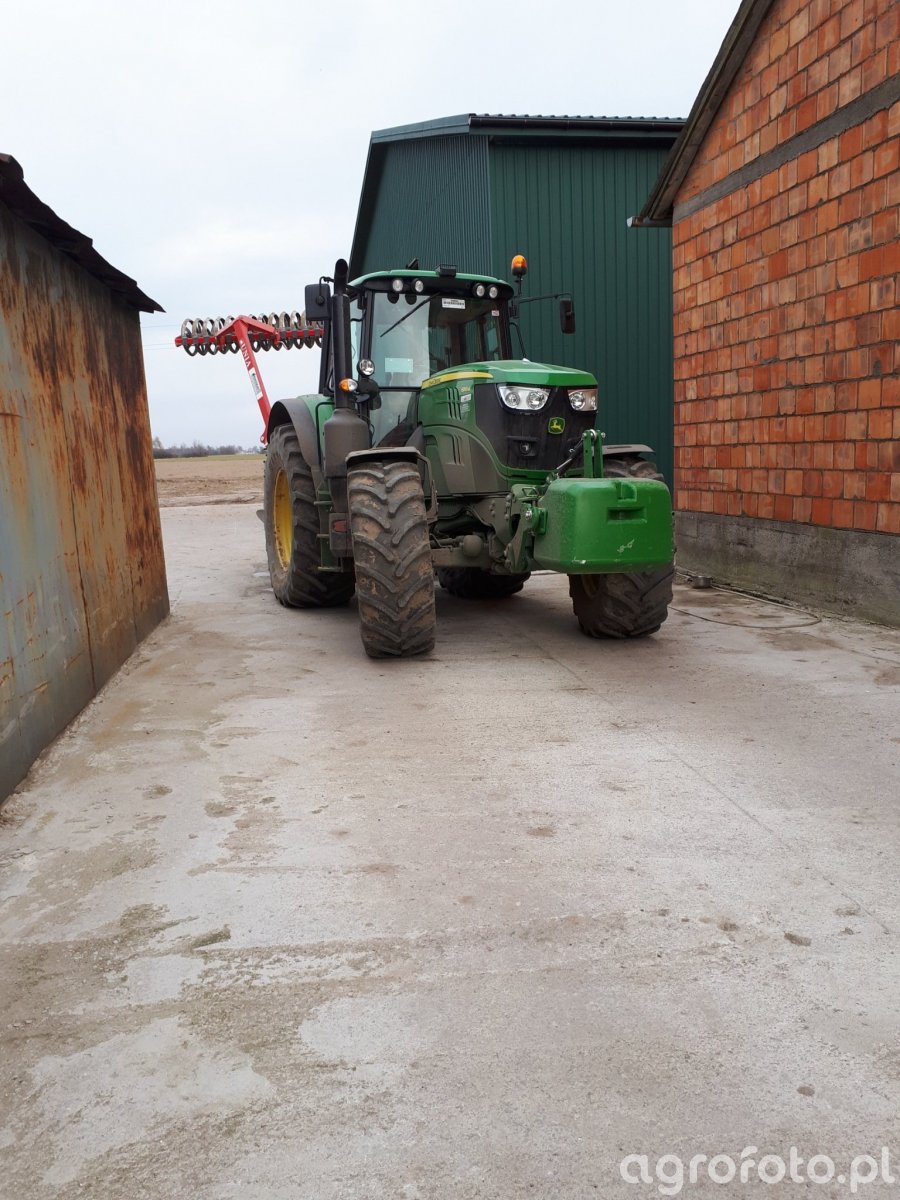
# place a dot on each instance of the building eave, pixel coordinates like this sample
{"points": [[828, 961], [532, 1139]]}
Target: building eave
{"points": [[560, 126], [30, 209], [737, 42]]}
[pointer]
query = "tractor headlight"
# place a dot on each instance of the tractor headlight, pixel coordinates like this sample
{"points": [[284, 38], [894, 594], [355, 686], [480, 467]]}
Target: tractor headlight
{"points": [[583, 399], [523, 397], [493, 291], [478, 290]]}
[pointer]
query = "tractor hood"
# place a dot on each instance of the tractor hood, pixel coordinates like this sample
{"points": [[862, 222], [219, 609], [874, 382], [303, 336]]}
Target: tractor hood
{"points": [[516, 370]]}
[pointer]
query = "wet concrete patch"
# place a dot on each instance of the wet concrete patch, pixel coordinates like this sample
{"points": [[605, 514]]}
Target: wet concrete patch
{"points": [[123, 1088]]}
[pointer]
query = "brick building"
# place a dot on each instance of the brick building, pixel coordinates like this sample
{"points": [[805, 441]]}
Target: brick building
{"points": [[783, 193]]}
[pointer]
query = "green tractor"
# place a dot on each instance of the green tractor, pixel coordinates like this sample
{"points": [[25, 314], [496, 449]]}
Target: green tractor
{"points": [[430, 448]]}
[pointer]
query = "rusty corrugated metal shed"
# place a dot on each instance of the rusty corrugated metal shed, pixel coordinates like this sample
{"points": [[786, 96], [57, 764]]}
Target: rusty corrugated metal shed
{"points": [[82, 576]]}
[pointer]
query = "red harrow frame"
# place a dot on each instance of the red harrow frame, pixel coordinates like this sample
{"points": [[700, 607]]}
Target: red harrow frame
{"points": [[249, 334]]}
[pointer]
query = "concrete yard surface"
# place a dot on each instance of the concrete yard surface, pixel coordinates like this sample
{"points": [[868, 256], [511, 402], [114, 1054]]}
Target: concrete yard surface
{"points": [[279, 922]]}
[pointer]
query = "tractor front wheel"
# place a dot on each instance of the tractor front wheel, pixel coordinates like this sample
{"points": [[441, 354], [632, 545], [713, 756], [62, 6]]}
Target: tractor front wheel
{"points": [[470, 583], [630, 604], [392, 554], [292, 530], [624, 605]]}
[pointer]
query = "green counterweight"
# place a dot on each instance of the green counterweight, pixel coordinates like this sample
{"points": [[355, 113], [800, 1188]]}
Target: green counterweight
{"points": [[600, 525]]}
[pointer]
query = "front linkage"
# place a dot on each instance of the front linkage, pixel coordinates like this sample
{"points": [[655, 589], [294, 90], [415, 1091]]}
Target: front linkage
{"points": [[609, 529], [577, 525]]}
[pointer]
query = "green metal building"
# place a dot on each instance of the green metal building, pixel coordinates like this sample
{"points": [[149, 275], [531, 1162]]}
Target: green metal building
{"points": [[475, 190]]}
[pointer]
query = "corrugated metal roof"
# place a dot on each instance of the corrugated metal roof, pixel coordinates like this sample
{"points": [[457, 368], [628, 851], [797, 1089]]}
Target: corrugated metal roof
{"points": [[560, 125], [585, 118], [732, 52], [21, 200]]}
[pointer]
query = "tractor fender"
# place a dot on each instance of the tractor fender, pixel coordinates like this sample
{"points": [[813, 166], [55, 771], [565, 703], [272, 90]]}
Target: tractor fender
{"points": [[410, 454], [296, 413], [356, 458], [620, 451]]}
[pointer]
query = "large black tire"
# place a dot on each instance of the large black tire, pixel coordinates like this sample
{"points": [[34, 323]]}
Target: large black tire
{"points": [[292, 530], [630, 466], [473, 584], [392, 554], [630, 604]]}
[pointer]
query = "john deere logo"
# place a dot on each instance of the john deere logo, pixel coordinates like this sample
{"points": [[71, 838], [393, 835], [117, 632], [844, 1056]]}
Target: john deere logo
{"points": [[556, 424]]}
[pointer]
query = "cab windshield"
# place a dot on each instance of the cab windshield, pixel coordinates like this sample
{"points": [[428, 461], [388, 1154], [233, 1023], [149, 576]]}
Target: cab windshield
{"points": [[412, 341]]}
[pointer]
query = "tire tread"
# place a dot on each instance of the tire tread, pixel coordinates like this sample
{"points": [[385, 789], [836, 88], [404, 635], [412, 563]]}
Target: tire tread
{"points": [[392, 554], [470, 583]]}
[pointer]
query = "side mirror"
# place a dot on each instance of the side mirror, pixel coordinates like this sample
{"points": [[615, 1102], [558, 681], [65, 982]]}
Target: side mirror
{"points": [[317, 297], [566, 315]]}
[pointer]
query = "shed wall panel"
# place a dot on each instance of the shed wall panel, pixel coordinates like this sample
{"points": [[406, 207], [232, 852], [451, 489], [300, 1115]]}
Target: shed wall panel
{"points": [[82, 576], [565, 208]]}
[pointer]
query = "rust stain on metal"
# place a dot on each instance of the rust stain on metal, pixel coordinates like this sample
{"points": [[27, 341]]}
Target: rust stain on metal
{"points": [[82, 576]]}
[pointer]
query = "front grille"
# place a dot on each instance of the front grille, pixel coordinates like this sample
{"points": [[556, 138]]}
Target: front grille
{"points": [[522, 440]]}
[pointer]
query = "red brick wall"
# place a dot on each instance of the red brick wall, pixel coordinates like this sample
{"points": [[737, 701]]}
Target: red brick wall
{"points": [[787, 392]]}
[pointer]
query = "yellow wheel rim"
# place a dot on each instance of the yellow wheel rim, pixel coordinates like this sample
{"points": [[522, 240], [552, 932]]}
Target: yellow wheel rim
{"points": [[283, 520]]}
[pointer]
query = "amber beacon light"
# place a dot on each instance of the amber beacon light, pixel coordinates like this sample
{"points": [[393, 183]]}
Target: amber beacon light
{"points": [[519, 265]]}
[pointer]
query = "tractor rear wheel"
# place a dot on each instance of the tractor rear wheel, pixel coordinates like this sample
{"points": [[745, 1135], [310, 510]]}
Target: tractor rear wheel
{"points": [[630, 604], [392, 553], [292, 530], [470, 583]]}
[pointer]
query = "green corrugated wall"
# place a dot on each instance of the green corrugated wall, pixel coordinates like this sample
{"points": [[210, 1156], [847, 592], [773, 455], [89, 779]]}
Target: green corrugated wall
{"points": [[474, 201], [433, 203], [565, 208]]}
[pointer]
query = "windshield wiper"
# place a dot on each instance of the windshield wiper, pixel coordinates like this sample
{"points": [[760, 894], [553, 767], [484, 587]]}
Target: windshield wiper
{"points": [[400, 320]]}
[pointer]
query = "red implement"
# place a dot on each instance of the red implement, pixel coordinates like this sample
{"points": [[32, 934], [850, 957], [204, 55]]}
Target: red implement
{"points": [[248, 334]]}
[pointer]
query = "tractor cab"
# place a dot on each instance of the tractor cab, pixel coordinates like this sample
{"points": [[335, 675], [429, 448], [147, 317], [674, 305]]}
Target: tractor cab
{"points": [[408, 326], [418, 341]]}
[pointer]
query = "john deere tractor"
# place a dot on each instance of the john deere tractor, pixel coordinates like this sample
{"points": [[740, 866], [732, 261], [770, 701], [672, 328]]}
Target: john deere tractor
{"points": [[429, 448]]}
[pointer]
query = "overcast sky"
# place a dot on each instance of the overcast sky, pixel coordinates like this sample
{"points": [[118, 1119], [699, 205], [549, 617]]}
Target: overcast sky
{"points": [[215, 151]]}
